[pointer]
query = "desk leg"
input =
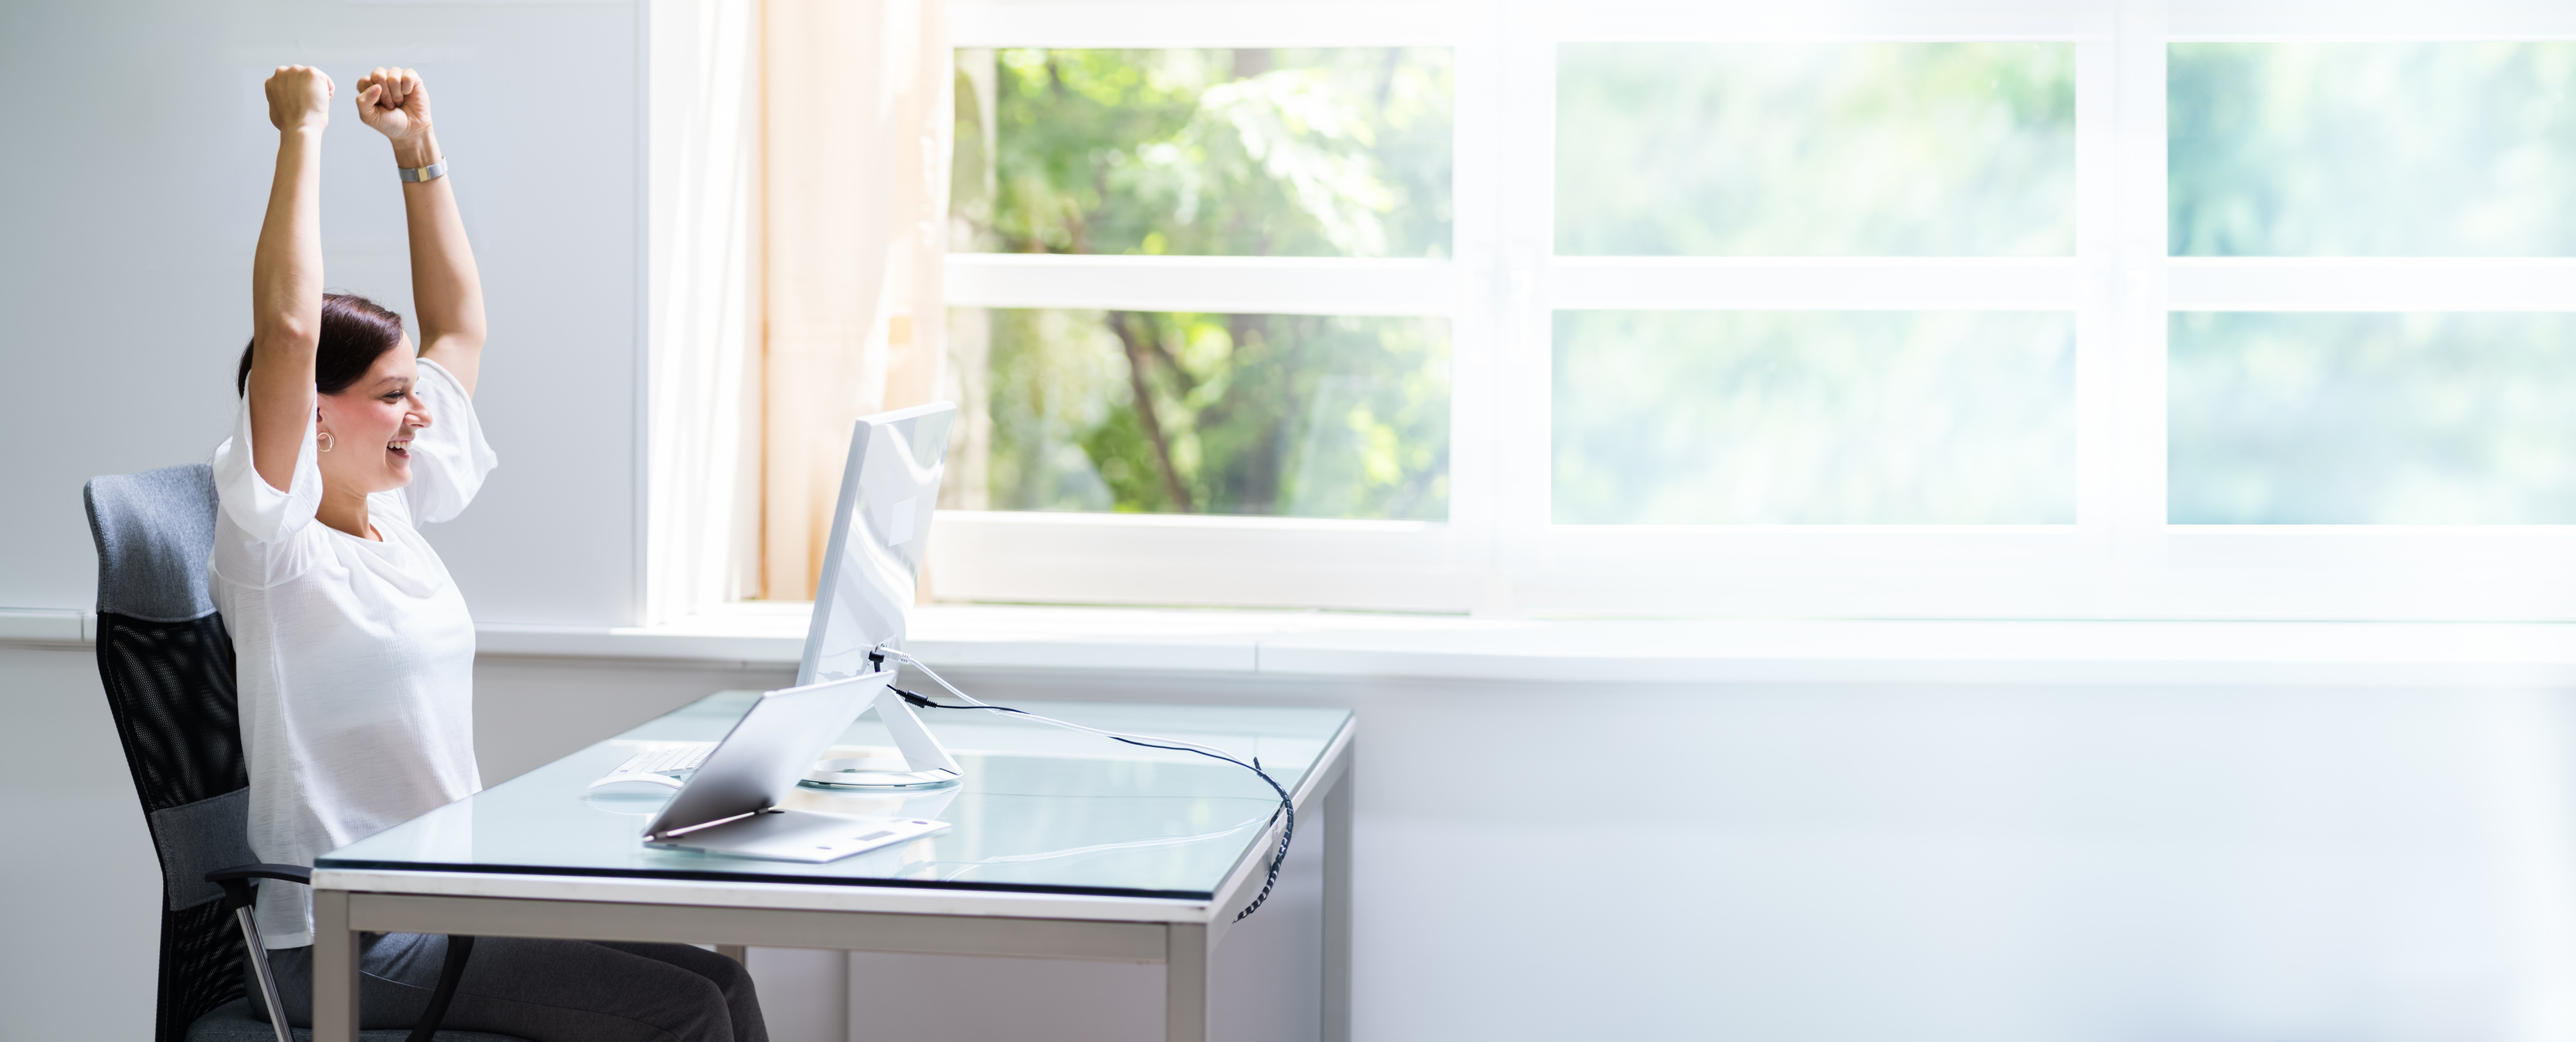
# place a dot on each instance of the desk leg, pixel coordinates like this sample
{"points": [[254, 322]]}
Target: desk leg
{"points": [[1337, 906], [1185, 984], [335, 969]]}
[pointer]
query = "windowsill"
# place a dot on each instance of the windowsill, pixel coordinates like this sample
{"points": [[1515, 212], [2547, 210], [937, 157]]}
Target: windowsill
{"points": [[1319, 645], [1354, 645]]}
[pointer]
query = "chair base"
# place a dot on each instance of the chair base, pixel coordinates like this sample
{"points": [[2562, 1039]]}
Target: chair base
{"points": [[232, 1022]]}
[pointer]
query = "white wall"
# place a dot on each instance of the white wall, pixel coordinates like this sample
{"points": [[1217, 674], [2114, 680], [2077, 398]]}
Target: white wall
{"points": [[137, 165], [78, 882], [1988, 864]]}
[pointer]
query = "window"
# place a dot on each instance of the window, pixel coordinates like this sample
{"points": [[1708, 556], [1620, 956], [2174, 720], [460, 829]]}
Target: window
{"points": [[1986, 308], [1204, 311], [2385, 151], [2367, 322], [1669, 414], [1178, 155]]}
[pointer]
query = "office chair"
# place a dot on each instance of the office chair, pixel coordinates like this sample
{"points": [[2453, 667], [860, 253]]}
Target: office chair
{"points": [[167, 664]]}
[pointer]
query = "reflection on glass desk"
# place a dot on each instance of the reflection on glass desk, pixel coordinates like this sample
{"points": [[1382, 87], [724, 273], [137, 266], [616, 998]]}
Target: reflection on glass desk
{"points": [[1041, 809]]}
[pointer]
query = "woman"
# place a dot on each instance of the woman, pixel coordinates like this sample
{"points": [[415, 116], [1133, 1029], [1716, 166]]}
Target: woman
{"points": [[355, 651]]}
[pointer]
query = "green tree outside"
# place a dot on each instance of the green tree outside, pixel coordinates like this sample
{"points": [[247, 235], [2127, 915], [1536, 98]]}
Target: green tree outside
{"points": [[2419, 149], [1339, 152]]}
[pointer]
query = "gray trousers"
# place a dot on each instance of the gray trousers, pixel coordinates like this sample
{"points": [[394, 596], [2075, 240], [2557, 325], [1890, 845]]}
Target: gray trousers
{"points": [[542, 991]]}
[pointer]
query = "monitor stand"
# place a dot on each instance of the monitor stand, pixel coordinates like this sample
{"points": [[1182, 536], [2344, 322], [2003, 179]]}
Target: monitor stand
{"points": [[926, 765]]}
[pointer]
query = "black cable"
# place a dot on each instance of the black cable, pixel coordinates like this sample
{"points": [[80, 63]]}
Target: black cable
{"points": [[1286, 806], [459, 948]]}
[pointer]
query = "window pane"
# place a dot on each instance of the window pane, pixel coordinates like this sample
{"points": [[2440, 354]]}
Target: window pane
{"points": [[1334, 152], [2372, 149], [1814, 417], [1899, 149], [1176, 413], [2372, 418]]}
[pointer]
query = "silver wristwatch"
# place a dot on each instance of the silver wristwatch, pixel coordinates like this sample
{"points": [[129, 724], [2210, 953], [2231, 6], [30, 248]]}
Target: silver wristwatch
{"points": [[417, 174]]}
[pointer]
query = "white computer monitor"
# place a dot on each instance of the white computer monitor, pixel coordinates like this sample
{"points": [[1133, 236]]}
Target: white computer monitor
{"points": [[872, 574], [880, 530]]}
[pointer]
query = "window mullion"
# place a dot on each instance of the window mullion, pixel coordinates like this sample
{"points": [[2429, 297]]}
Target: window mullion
{"points": [[1817, 283], [1519, 425], [1476, 325], [2137, 354], [1261, 285], [2457, 20], [2369, 284], [2097, 301]]}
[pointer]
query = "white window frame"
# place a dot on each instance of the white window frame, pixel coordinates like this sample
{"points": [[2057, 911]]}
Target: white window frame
{"points": [[1438, 566], [1497, 554]]}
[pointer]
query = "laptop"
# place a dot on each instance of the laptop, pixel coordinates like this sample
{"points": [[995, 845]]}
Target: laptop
{"points": [[730, 805]]}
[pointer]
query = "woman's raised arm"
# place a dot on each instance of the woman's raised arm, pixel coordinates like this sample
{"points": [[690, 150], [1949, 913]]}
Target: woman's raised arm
{"points": [[446, 291], [286, 276]]}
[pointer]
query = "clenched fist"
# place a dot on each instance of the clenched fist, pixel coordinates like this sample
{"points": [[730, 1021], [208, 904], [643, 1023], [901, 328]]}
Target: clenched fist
{"points": [[394, 102], [299, 96]]}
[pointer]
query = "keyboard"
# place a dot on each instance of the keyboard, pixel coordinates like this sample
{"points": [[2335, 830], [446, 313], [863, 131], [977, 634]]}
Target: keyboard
{"points": [[657, 766], [661, 761]]}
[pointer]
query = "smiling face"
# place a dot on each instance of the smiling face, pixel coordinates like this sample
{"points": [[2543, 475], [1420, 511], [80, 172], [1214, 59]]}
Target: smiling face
{"points": [[371, 425]]}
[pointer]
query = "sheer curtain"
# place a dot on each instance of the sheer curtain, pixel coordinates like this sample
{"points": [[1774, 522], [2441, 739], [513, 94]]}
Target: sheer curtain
{"points": [[855, 121], [702, 535], [799, 196]]}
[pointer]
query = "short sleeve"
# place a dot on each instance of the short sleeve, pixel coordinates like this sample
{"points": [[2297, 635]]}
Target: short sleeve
{"points": [[262, 512], [449, 457]]}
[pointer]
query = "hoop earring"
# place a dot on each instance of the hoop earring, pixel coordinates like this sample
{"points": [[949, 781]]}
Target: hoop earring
{"points": [[326, 440]]}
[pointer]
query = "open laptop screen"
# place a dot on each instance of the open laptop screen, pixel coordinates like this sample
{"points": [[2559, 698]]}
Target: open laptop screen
{"points": [[880, 536]]}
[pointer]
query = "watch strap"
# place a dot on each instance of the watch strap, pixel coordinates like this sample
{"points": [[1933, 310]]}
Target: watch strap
{"points": [[417, 174]]}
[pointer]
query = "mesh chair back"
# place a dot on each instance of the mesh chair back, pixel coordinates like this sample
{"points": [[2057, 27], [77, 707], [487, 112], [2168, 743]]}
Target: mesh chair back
{"points": [[167, 665]]}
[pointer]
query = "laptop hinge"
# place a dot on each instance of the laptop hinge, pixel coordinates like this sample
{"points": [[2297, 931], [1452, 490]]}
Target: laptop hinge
{"points": [[668, 833]]}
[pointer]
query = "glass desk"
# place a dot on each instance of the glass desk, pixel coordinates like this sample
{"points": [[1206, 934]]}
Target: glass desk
{"points": [[1063, 845]]}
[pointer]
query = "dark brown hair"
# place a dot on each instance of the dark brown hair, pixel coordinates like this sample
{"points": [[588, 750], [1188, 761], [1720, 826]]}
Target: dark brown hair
{"points": [[355, 332]]}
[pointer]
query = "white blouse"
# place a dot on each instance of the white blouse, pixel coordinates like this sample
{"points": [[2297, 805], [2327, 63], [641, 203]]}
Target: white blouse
{"points": [[355, 657]]}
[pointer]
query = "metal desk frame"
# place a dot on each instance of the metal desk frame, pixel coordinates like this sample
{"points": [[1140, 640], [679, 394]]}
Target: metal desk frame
{"points": [[1178, 934]]}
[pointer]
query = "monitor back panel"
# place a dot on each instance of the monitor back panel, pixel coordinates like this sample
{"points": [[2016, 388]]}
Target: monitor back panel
{"points": [[880, 535]]}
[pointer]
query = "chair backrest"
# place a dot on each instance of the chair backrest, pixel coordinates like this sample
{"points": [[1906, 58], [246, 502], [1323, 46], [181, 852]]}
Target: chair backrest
{"points": [[167, 665]]}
